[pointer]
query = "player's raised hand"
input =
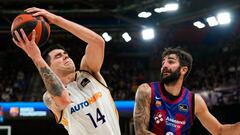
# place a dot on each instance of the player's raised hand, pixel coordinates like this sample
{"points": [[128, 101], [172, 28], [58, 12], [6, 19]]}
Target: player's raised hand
{"points": [[29, 46], [42, 12]]}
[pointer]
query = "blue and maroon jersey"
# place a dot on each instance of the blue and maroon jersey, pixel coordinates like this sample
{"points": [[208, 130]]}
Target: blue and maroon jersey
{"points": [[170, 117]]}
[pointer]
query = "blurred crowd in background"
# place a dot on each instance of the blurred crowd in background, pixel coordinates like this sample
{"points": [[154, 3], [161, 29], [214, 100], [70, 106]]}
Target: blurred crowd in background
{"points": [[216, 68]]}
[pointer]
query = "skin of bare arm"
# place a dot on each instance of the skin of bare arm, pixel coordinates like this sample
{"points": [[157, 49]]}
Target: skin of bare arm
{"points": [[141, 113]]}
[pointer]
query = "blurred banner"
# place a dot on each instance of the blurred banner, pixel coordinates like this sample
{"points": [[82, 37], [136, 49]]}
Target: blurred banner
{"points": [[19, 110]]}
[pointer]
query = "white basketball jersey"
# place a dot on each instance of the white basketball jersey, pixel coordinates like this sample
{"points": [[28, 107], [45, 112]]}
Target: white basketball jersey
{"points": [[92, 111]]}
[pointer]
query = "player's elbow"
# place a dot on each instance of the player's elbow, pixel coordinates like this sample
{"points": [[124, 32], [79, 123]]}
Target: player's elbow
{"points": [[229, 129], [219, 130], [62, 103], [99, 41], [63, 100]]}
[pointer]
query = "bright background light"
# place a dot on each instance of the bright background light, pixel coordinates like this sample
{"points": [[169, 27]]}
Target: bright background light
{"points": [[148, 34], [144, 14], [126, 37], [212, 21], [160, 10], [171, 6], [224, 18], [106, 36], [199, 24]]}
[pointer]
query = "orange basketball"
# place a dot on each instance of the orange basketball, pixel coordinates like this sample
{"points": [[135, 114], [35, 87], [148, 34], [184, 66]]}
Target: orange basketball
{"points": [[28, 22]]}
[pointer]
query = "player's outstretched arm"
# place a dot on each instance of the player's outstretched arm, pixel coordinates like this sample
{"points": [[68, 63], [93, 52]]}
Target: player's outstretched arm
{"points": [[53, 84], [210, 122], [94, 54], [141, 113]]}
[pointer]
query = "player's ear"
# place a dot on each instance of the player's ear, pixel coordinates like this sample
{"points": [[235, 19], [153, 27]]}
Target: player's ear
{"points": [[184, 70]]}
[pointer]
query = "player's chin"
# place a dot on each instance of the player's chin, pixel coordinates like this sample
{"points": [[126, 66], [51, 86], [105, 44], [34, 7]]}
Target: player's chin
{"points": [[165, 75], [69, 66]]}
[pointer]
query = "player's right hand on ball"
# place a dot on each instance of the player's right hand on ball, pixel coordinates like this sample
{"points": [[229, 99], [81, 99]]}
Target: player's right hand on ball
{"points": [[51, 18], [29, 46]]}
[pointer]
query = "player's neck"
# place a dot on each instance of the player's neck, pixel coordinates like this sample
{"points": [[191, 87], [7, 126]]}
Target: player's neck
{"points": [[67, 78], [174, 88]]}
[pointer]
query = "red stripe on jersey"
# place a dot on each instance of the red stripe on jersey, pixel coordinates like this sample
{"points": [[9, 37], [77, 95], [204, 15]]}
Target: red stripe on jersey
{"points": [[180, 118], [159, 122]]}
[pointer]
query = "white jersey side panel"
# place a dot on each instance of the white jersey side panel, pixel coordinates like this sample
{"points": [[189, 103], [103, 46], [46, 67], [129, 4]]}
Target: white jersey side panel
{"points": [[92, 111]]}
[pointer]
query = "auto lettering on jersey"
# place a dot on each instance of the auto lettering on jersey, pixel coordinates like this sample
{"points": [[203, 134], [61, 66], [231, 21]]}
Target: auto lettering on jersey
{"points": [[86, 103]]}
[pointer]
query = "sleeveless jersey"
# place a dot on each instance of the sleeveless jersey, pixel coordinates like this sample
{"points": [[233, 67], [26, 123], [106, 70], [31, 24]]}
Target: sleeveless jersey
{"points": [[92, 111], [169, 117]]}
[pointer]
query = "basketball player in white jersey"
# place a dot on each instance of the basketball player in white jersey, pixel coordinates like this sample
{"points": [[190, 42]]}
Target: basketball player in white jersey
{"points": [[80, 100]]}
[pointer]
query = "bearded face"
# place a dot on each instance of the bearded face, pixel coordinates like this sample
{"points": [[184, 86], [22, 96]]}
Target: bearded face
{"points": [[168, 76]]}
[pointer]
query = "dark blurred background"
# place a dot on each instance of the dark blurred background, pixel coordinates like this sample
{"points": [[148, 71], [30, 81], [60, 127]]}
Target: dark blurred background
{"points": [[215, 48]]}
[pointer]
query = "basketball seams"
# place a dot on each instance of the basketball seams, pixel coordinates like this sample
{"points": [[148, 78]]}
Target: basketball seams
{"points": [[27, 18], [25, 27], [28, 23], [40, 32], [44, 30]]}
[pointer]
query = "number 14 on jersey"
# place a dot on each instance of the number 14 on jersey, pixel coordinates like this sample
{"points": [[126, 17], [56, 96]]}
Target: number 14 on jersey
{"points": [[99, 118]]}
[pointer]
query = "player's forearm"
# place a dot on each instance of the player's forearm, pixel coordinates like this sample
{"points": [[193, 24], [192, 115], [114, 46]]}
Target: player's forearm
{"points": [[141, 113], [143, 132], [230, 129], [141, 120], [80, 31], [52, 83], [140, 128]]}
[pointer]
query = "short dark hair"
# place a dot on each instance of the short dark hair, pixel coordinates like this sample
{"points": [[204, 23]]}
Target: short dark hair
{"points": [[185, 58], [46, 52]]}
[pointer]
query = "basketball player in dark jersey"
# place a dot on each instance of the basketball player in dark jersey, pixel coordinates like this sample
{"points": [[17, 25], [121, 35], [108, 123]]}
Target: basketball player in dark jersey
{"points": [[167, 108]]}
